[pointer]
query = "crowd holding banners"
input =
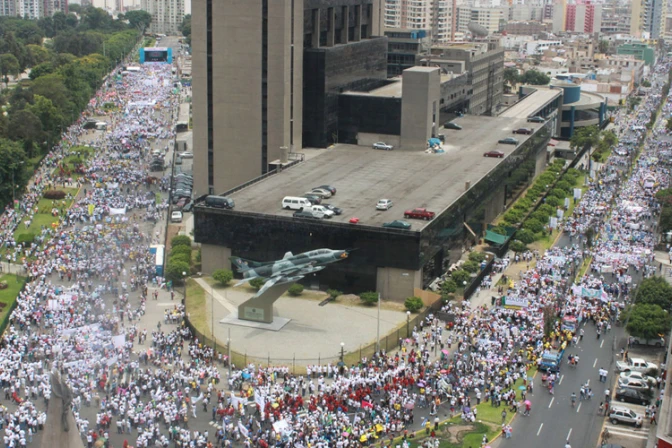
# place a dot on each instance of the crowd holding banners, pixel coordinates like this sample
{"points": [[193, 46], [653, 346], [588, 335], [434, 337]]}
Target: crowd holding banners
{"points": [[147, 392]]}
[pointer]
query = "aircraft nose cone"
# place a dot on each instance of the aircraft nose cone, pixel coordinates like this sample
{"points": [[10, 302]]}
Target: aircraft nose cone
{"points": [[343, 254]]}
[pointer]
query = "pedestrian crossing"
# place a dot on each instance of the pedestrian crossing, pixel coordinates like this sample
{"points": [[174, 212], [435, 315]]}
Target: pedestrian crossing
{"points": [[624, 431]]}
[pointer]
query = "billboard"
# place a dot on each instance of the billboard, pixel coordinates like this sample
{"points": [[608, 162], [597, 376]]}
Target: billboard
{"points": [[156, 54]]}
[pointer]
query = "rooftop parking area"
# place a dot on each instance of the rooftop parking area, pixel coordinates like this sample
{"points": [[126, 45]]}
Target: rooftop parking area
{"points": [[363, 175]]}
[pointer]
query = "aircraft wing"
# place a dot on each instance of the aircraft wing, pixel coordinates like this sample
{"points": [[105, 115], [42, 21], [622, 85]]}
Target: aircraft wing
{"points": [[269, 284], [298, 270]]}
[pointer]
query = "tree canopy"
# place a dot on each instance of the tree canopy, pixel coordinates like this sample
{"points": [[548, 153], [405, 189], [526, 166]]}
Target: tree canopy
{"points": [[655, 291], [648, 321]]}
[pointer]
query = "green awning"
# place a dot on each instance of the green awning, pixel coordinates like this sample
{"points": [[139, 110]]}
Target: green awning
{"points": [[494, 237]]}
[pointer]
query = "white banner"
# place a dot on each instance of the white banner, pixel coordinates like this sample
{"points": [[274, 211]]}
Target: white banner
{"points": [[117, 211], [119, 341], [243, 429], [518, 302]]}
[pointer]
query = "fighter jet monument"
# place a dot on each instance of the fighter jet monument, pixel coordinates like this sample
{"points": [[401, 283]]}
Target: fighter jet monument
{"points": [[279, 275]]}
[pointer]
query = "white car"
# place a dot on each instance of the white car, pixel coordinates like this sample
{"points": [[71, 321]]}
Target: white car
{"points": [[633, 383], [321, 192], [382, 145], [384, 204], [186, 155], [619, 414], [176, 217], [638, 376]]}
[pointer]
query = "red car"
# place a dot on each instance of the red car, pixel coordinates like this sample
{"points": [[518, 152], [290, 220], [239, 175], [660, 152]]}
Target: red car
{"points": [[523, 131], [419, 213], [498, 154]]}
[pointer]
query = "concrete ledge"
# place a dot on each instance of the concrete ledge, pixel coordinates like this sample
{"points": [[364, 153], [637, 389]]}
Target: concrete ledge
{"points": [[277, 324]]}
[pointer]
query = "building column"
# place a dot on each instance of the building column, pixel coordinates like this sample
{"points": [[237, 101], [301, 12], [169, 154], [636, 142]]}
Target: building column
{"points": [[358, 23], [346, 22], [331, 32], [316, 28]]}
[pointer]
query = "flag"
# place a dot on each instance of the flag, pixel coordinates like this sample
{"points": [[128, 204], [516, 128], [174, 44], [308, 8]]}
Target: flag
{"points": [[366, 404]]}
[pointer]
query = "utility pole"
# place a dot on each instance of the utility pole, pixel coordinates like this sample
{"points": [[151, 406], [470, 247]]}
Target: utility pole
{"points": [[378, 328]]}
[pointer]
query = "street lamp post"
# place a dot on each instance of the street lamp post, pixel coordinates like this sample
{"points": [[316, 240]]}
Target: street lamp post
{"points": [[408, 323], [342, 351], [14, 166], [184, 280]]}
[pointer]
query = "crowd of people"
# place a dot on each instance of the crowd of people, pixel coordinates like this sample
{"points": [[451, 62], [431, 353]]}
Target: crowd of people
{"points": [[88, 285]]}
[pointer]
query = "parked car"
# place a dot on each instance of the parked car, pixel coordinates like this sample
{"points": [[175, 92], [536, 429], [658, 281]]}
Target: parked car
{"points": [[384, 204], [638, 376], [632, 396], [321, 192], [382, 145], [336, 210], [451, 125], [536, 119], [633, 383], [219, 202], [397, 224], [523, 131], [619, 414], [186, 155], [176, 217], [182, 192], [313, 198], [508, 141], [178, 160], [497, 154], [187, 208], [656, 342], [419, 213], [305, 215], [331, 189], [182, 202], [635, 364]]}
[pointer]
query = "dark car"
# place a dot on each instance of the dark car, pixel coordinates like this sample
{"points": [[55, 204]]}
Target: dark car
{"points": [[313, 198], [329, 188], [305, 215], [635, 396], [397, 224], [188, 207], [336, 210], [536, 119], [527, 131], [508, 141], [182, 202], [498, 154], [451, 125]]}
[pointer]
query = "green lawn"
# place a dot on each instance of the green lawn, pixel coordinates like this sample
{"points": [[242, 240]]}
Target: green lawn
{"points": [[8, 295], [43, 217]]}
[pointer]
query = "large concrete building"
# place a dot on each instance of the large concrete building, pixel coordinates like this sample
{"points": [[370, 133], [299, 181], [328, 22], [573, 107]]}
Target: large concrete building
{"points": [[435, 15], [266, 80], [167, 15], [583, 18]]}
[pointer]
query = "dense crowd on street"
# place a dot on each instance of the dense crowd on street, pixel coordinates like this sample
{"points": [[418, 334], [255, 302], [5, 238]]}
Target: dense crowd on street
{"points": [[89, 279]]}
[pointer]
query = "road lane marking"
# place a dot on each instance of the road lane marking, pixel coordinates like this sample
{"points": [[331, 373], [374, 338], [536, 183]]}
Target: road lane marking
{"points": [[588, 383], [595, 363], [549, 404], [561, 377], [621, 432], [579, 407], [541, 426], [602, 343], [569, 434]]}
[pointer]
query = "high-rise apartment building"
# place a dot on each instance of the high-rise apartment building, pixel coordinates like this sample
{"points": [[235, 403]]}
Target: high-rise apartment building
{"points": [[648, 18], [267, 75], [49, 7], [167, 15], [8, 8], [434, 15], [31, 9], [583, 18]]}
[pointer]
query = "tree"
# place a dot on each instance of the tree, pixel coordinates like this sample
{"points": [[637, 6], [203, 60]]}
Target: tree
{"points": [[369, 298], [9, 65], [460, 276], [334, 293], [536, 78], [511, 77], [448, 287], [185, 28], [603, 46], [655, 291], [37, 54], [583, 137], [257, 283], [223, 276], [174, 270], [295, 290], [648, 321], [180, 240], [517, 246], [413, 304], [646, 83], [471, 266], [50, 117], [139, 19], [24, 125], [668, 126], [12, 163], [549, 319]]}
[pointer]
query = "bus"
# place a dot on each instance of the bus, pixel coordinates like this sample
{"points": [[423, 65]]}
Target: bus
{"points": [[183, 118], [158, 251]]}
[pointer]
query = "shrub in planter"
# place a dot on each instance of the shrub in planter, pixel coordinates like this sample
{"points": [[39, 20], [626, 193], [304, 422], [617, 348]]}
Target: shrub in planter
{"points": [[513, 216], [223, 276], [186, 250], [470, 266], [460, 276], [257, 283], [525, 236], [180, 240], [548, 209], [333, 293], [448, 287], [54, 194], [181, 257], [565, 186], [517, 246], [540, 216], [295, 290], [533, 225], [477, 256], [546, 178], [369, 298], [413, 304], [553, 201], [558, 193]]}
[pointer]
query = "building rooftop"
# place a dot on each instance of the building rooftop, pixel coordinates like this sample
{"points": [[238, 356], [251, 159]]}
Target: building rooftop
{"points": [[532, 103], [410, 179]]}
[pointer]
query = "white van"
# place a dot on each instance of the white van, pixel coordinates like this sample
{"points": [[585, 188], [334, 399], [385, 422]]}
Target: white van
{"points": [[320, 211], [101, 126], [295, 203], [176, 217]]}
